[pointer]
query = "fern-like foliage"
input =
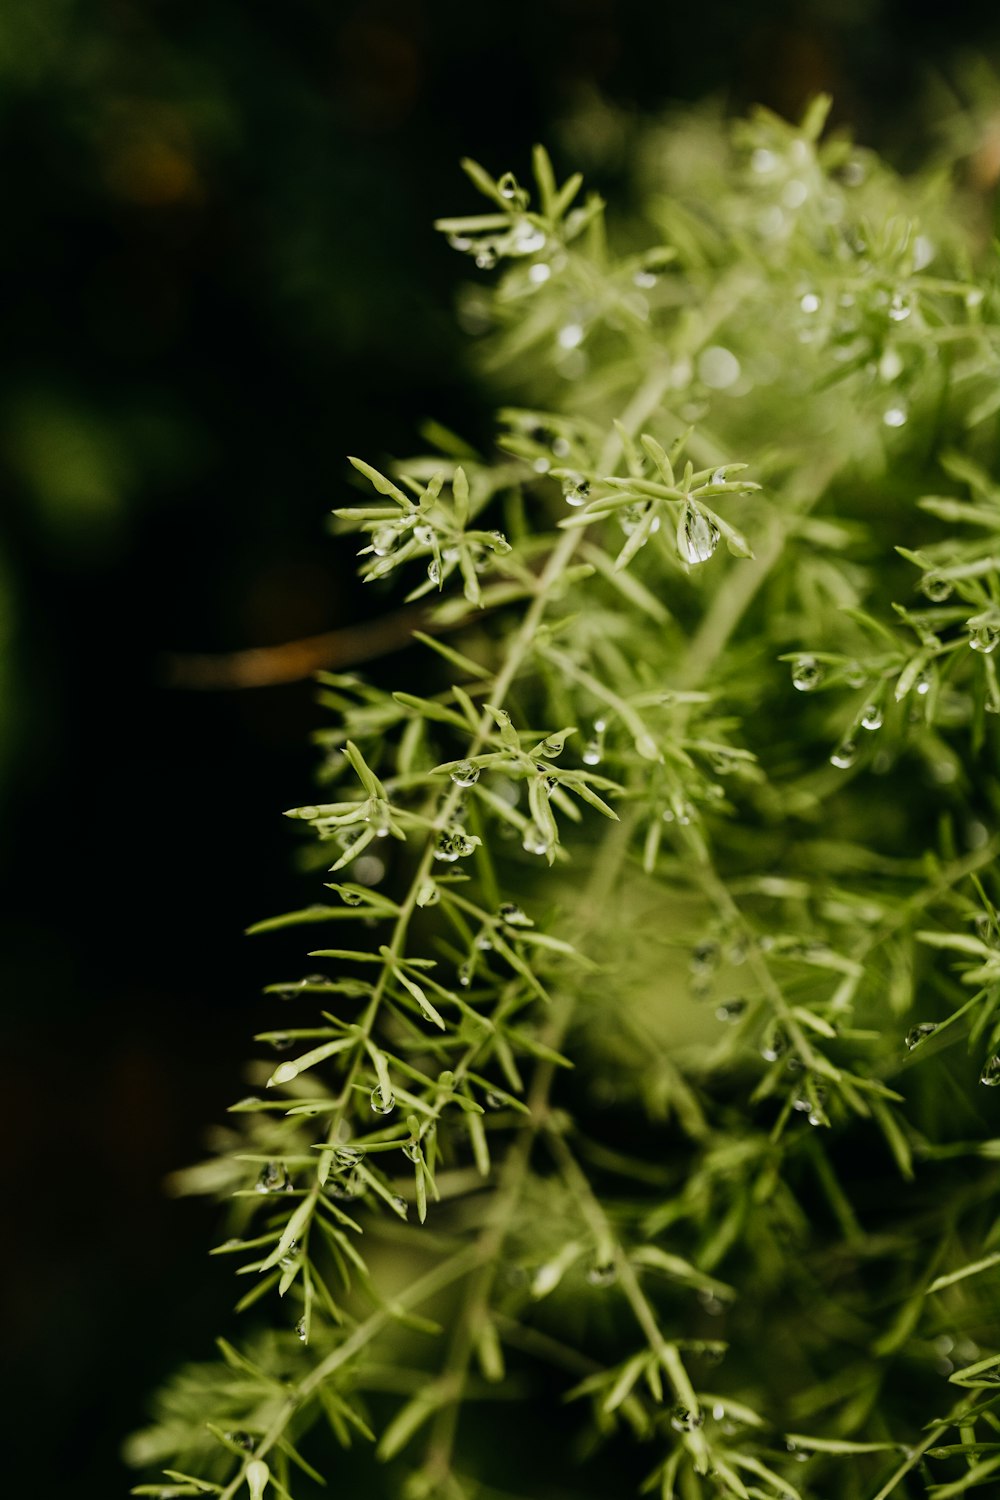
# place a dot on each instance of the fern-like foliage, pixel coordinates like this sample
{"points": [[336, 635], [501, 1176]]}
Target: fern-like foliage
{"points": [[645, 1055]]}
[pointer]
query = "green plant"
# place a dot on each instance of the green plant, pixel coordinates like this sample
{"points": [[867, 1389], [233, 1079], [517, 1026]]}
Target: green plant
{"points": [[672, 899]]}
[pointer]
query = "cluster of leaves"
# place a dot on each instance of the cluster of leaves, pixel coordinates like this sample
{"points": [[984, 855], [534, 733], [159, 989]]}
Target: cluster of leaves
{"points": [[623, 1093]]}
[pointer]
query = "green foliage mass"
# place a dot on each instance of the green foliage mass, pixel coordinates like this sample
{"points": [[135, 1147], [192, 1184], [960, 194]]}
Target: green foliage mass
{"points": [[643, 1094]]}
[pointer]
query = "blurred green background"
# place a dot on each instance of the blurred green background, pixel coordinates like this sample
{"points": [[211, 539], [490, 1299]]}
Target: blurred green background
{"points": [[219, 277]]}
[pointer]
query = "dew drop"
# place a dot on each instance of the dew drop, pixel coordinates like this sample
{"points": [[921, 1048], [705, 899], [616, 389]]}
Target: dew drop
{"points": [[576, 489], [527, 238], [452, 844], [301, 1332], [775, 1045], [936, 588], [602, 1275], [990, 1075], [434, 571], [918, 1034], [871, 717], [412, 1151], [629, 517], [513, 916], [922, 684], [383, 540], [534, 840], [486, 258], [465, 773], [894, 416], [845, 755], [682, 1419], [704, 957], [730, 1010], [273, 1178], [345, 1188], [539, 273], [805, 1105], [281, 1042], [465, 975], [383, 1103], [809, 303], [984, 638], [900, 308], [807, 673], [349, 1156], [570, 336], [508, 186], [697, 535], [493, 1100]]}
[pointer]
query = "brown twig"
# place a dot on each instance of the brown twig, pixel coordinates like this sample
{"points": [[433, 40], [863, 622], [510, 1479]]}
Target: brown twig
{"points": [[267, 666]]}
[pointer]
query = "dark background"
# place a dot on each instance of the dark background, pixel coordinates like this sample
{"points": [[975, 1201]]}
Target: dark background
{"points": [[219, 277]]}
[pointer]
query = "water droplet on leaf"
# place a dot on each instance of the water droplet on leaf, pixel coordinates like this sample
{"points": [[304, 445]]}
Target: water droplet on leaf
{"points": [[775, 1045], [534, 840], [349, 1155], [984, 638], [602, 1275], [697, 535], [452, 844], [807, 673], [465, 773], [871, 717], [918, 1034], [576, 489], [845, 755], [273, 1178], [990, 1075], [936, 588], [682, 1419], [383, 1103]]}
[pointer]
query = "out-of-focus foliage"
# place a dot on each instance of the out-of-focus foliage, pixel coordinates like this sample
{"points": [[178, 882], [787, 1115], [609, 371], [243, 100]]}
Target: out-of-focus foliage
{"points": [[655, 1066]]}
